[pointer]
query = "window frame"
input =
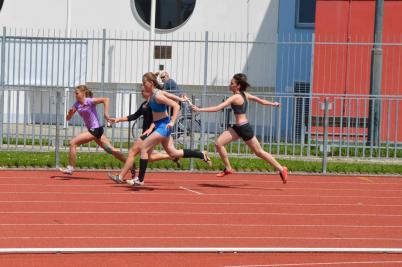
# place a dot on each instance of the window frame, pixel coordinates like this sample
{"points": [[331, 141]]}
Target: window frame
{"points": [[147, 26], [304, 25]]}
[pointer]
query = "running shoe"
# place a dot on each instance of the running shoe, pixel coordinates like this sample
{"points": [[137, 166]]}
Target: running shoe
{"points": [[178, 163], [115, 178], [207, 159], [135, 182], [68, 170], [224, 172], [284, 175]]}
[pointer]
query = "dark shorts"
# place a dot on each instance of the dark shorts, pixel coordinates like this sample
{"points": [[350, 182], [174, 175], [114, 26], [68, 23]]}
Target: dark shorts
{"points": [[245, 131], [97, 132], [144, 136]]}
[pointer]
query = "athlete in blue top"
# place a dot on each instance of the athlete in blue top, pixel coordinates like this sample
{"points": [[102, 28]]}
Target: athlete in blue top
{"points": [[159, 102], [147, 128]]}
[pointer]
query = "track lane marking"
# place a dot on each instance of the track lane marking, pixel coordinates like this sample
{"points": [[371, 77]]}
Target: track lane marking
{"points": [[206, 237], [201, 225], [209, 194], [206, 213], [317, 263], [190, 190]]}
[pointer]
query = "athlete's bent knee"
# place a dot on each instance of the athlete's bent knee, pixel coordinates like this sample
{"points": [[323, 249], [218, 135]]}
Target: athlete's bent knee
{"points": [[173, 154], [218, 144], [72, 143]]}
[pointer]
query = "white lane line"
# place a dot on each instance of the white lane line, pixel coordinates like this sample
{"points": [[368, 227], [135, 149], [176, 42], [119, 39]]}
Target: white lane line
{"points": [[234, 187], [312, 181], [360, 205], [209, 194], [192, 191], [319, 263], [206, 213], [199, 250], [203, 225], [209, 237], [62, 185]]}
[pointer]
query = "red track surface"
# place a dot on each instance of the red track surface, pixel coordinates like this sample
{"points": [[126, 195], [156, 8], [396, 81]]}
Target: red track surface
{"points": [[46, 209]]}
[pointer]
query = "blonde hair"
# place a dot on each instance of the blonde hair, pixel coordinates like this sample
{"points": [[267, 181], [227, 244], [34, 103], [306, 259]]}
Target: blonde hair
{"points": [[164, 73], [152, 77], [85, 89]]}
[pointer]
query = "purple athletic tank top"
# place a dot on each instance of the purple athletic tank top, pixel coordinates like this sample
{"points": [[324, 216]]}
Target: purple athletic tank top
{"points": [[88, 113]]}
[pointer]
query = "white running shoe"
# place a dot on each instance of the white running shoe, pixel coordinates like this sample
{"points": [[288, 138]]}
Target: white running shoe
{"points": [[135, 182], [68, 170]]}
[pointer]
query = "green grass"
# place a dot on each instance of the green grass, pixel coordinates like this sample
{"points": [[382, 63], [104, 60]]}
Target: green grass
{"points": [[45, 142], [104, 161], [275, 149]]}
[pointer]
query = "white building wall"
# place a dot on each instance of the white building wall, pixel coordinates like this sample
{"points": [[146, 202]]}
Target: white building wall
{"points": [[226, 20], [208, 15]]}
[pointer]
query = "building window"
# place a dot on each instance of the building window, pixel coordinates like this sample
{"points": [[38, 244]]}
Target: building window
{"points": [[162, 52], [1, 3], [305, 13], [170, 14]]}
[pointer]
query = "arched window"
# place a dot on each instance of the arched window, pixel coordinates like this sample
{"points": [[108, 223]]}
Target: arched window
{"points": [[170, 14]]}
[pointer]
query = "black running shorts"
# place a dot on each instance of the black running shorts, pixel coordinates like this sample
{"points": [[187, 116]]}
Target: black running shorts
{"points": [[244, 131], [97, 132]]}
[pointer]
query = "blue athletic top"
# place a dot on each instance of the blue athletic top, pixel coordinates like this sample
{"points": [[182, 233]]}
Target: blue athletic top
{"points": [[155, 106]]}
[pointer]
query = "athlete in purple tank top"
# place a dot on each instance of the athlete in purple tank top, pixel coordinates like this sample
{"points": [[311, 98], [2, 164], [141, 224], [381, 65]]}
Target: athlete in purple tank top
{"points": [[88, 113], [86, 107]]}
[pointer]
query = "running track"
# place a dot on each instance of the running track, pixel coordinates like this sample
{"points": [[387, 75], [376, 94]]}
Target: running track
{"points": [[43, 209]]}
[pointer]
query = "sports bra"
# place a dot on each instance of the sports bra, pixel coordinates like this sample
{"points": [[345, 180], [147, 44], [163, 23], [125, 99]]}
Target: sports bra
{"points": [[155, 106], [240, 109]]}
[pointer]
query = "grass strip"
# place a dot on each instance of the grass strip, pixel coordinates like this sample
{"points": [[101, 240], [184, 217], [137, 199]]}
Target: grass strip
{"points": [[105, 161]]}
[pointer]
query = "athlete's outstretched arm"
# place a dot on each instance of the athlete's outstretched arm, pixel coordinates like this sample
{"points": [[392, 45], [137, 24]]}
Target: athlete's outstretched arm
{"points": [[221, 106], [261, 101], [174, 97], [131, 117]]}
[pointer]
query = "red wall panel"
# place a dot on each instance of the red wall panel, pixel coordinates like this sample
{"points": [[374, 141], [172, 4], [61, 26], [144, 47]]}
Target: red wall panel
{"points": [[345, 68]]}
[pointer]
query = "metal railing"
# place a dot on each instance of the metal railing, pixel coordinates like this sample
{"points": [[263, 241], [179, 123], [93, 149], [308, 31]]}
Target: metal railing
{"points": [[303, 126], [39, 70]]}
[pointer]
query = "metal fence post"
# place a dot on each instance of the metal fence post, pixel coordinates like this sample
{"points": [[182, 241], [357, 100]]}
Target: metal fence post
{"points": [[325, 143], [129, 124], [103, 60], [2, 81], [3, 56], [192, 132], [57, 137], [310, 99], [205, 88]]}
